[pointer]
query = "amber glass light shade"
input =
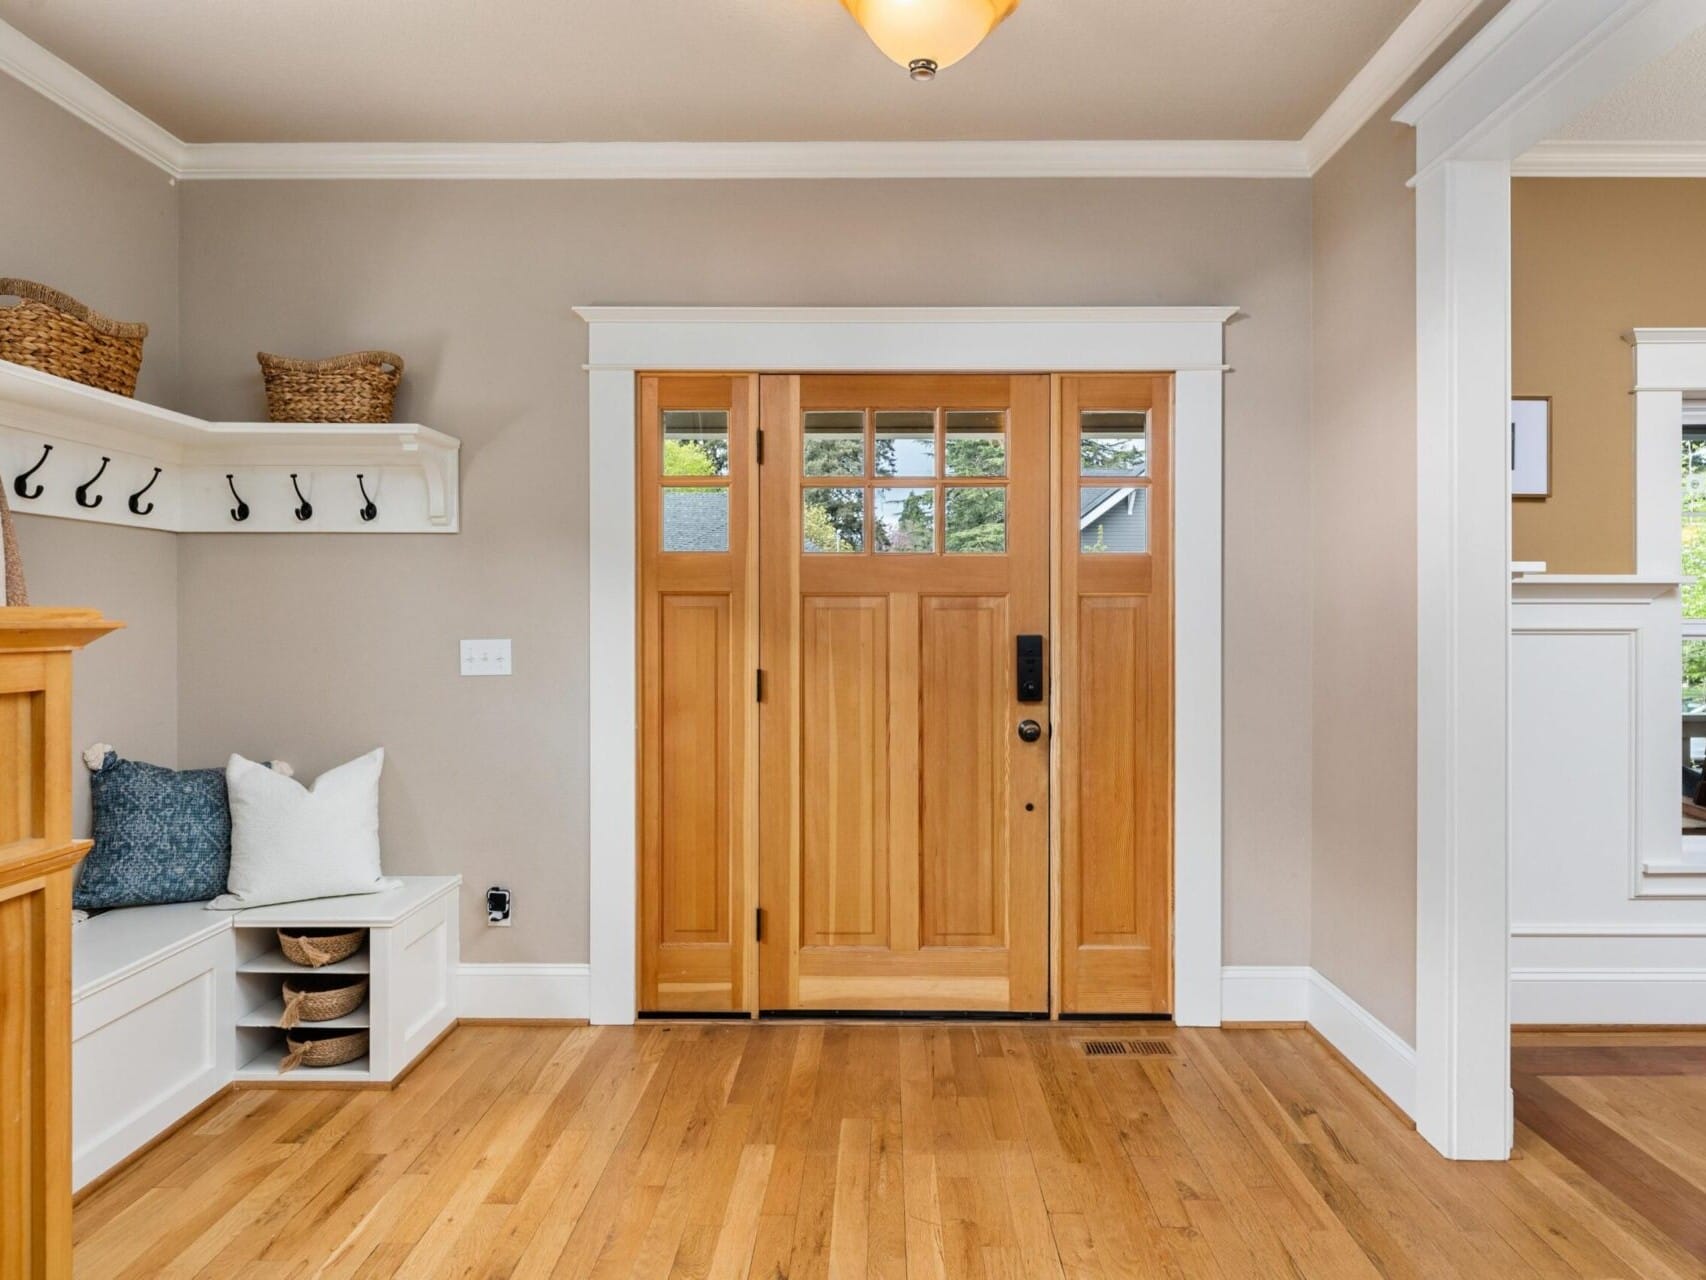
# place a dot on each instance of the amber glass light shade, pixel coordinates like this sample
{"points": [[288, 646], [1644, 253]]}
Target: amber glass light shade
{"points": [[927, 35]]}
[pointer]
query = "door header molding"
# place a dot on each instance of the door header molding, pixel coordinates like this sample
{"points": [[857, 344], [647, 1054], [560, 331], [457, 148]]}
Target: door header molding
{"points": [[1188, 343], [908, 339]]}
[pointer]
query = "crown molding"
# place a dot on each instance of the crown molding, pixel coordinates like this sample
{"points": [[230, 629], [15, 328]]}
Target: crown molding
{"points": [[750, 160], [1383, 76], [1392, 65], [61, 83], [1570, 159]]}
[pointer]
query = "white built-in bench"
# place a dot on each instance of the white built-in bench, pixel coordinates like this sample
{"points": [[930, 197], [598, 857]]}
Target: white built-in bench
{"points": [[169, 1005]]}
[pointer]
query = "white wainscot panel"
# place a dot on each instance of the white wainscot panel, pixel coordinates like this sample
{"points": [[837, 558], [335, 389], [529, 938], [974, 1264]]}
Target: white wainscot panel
{"points": [[1595, 781], [1573, 760]]}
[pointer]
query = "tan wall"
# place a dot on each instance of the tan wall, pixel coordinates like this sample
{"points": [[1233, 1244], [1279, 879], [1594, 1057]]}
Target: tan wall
{"points": [[315, 648], [82, 214], [1593, 260]]}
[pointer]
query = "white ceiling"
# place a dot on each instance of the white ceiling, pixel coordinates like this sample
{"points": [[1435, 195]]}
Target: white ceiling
{"points": [[704, 70], [1664, 102]]}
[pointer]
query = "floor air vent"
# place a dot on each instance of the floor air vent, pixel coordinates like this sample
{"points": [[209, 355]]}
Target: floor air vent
{"points": [[1126, 1048]]}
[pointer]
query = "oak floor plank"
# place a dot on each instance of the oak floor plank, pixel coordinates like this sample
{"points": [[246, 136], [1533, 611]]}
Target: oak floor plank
{"points": [[796, 1150]]}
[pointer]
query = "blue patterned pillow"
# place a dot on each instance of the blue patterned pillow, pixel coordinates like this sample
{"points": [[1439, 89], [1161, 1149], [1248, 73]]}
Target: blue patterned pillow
{"points": [[161, 835]]}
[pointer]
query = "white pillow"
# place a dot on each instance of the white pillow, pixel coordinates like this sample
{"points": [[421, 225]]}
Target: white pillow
{"points": [[290, 842]]}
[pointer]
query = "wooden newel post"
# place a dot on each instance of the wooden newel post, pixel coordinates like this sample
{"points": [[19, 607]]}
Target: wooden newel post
{"points": [[37, 860]]}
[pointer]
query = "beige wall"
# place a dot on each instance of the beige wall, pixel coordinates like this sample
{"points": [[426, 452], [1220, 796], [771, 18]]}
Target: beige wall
{"points": [[315, 648], [82, 214], [1591, 261], [125, 688], [1363, 585], [1363, 881]]}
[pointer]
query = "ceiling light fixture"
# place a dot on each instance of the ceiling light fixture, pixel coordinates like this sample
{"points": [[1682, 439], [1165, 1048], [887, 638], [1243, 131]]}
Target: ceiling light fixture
{"points": [[925, 36]]}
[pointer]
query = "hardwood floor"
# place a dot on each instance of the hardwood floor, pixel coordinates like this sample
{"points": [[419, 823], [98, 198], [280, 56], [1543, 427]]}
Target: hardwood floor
{"points": [[918, 1150]]}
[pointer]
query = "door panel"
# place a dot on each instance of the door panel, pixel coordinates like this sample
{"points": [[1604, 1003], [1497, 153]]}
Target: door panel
{"points": [[693, 786], [844, 832], [1113, 692], [698, 728], [964, 730], [905, 545]]}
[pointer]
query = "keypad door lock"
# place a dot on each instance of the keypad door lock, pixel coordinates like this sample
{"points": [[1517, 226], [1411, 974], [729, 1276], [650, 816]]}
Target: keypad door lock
{"points": [[1029, 666]]}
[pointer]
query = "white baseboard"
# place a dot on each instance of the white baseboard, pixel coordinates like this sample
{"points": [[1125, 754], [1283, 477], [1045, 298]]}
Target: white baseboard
{"points": [[1297, 993], [522, 991], [1609, 996], [1265, 993]]}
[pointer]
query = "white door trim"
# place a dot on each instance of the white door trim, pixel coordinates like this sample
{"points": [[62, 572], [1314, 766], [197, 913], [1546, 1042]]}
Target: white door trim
{"points": [[1187, 342], [1535, 65]]}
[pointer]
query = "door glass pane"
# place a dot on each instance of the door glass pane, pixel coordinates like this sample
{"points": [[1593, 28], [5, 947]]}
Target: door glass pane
{"points": [[1113, 442], [834, 443], [696, 519], [906, 442], [833, 520], [1113, 520], [695, 442], [904, 520], [975, 520], [975, 442]]}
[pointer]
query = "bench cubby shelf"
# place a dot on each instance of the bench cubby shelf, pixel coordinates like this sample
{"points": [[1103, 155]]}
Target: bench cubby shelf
{"points": [[172, 1004], [411, 472]]}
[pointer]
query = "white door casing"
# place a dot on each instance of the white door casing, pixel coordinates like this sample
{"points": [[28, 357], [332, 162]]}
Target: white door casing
{"points": [[1188, 342]]}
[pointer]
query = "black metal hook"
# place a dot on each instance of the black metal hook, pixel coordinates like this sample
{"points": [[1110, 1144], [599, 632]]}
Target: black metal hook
{"points": [[303, 511], [368, 510], [240, 512], [136, 507], [83, 489], [20, 482]]}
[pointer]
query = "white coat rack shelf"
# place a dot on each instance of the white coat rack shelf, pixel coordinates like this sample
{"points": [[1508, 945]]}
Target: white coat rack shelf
{"points": [[79, 453]]}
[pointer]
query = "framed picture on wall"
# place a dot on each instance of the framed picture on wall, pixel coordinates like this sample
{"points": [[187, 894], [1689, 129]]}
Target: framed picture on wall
{"points": [[1531, 447]]}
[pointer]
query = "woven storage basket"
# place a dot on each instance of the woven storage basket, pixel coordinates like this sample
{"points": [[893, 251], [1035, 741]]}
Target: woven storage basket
{"points": [[321, 1049], [358, 387], [316, 947], [53, 332], [320, 998]]}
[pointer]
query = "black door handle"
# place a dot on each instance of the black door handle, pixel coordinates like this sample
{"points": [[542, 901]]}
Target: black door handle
{"points": [[1029, 731]]}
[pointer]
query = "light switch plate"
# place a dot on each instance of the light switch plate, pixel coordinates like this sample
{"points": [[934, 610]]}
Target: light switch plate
{"points": [[485, 658]]}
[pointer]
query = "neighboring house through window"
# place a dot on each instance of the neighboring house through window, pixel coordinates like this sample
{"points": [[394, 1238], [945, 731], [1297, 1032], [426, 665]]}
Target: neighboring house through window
{"points": [[1694, 619]]}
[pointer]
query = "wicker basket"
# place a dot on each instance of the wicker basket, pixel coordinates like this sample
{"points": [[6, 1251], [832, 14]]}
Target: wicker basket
{"points": [[316, 947], [321, 1049], [358, 387], [53, 332], [320, 998]]}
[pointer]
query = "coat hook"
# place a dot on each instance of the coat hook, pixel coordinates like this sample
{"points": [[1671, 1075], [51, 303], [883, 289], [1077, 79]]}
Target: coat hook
{"points": [[303, 511], [83, 489], [240, 512], [20, 483], [136, 507], [368, 510]]}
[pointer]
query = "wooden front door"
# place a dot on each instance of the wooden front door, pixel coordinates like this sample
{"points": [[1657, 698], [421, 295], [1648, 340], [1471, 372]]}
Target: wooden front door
{"points": [[904, 824], [845, 787]]}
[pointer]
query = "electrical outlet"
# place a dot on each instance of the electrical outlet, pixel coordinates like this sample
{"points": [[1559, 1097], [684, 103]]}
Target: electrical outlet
{"points": [[498, 907], [485, 658]]}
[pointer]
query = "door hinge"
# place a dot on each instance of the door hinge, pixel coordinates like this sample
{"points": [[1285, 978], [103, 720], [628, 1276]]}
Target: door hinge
{"points": [[761, 448], [758, 685], [758, 924]]}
